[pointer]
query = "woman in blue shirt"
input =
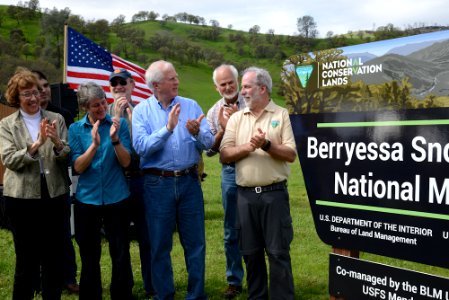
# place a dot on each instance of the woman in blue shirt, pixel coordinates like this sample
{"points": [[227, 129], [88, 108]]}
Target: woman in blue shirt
{"points": [[101, 147]]}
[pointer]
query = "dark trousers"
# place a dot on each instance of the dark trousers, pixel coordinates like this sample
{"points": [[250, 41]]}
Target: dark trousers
{"points": [[68, 260], [266, 226], [38, 240], [137, 213], [89, 220]]}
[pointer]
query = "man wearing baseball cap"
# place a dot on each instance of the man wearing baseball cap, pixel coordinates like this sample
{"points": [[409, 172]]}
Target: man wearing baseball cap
{"points": [[121, 85]]}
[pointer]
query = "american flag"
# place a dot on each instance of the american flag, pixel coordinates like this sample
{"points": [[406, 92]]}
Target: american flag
{"points": [[87, 61]]}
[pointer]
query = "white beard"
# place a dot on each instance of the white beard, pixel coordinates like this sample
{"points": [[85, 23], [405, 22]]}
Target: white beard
{"points": [[229, 96]]}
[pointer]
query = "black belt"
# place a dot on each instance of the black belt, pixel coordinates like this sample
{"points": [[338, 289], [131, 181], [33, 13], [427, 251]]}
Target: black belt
{"points": [[168, 173], [133, 173], [267, 188]]}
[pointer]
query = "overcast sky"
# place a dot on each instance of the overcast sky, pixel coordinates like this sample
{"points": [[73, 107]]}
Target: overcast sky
{"points": [[338, 16]]}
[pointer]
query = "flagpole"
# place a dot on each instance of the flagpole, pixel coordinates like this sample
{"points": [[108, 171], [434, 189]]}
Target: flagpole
{"points": [[64, 69]]}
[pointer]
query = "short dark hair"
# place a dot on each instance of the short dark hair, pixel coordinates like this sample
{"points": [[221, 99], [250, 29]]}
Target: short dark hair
{"points": [[39, 74]]}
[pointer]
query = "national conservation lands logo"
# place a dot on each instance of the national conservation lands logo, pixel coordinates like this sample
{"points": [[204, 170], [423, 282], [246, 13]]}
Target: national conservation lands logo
{"points": [[337, 72], [334, 73], [304, 74]]}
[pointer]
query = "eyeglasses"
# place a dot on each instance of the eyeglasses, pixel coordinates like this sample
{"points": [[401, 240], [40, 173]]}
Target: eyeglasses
{"points": [[122, 82], [28, 95]]}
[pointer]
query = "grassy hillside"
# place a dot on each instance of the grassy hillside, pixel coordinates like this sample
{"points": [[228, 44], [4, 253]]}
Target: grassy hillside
{"points": [[195, 79]]}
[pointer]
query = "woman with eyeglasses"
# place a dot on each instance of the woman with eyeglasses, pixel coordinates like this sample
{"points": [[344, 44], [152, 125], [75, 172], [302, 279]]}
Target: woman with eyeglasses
{"points": [[101, 147], [34, 150]]}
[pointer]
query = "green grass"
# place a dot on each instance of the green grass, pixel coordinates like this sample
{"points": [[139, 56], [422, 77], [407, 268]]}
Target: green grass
{"points": [[196, 83], [309, 255]]}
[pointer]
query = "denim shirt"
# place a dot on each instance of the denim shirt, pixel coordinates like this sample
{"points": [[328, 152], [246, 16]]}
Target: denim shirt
{"points": [[162, 149], [103, 182]]}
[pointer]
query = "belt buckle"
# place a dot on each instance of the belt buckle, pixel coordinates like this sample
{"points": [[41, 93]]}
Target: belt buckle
{"points": [[258, 189], [178, 173]]}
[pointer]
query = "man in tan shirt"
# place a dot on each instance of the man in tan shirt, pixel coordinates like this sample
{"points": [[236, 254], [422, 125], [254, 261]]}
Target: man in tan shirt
{"points": [[259, 139]]}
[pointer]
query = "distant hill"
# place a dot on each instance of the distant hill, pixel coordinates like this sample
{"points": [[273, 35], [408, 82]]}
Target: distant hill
{"points": [[365, 56], [410, 48], [421, 74], [437, 52], [426, 68]]}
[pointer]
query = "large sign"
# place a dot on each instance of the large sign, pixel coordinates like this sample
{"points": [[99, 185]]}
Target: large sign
{"points": [[355, 279], [379, 181]]}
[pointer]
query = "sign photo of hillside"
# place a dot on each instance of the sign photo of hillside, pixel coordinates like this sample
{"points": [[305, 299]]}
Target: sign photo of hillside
{"points": [[404, 73]]}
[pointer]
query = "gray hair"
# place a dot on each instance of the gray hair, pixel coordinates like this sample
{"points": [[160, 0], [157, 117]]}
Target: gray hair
{"points": [[89, 91], [155, 72], [262, 77], [233, 70]]}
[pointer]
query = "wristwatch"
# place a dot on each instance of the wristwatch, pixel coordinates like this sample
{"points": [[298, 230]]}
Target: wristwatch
{"points": [[266, 146]]}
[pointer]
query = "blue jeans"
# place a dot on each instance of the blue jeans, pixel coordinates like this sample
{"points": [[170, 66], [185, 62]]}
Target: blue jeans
{"points": [[234, 267], [171, 202]]}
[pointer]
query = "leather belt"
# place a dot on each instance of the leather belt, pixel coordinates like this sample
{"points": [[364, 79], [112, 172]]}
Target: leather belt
{"points": [[168, 173], [133, 173], [267, 188]]}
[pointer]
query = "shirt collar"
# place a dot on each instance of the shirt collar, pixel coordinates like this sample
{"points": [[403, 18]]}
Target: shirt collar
{"points": [[238, 101], [37, 115], [270, 107], [86, 122], [173, 102]]}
